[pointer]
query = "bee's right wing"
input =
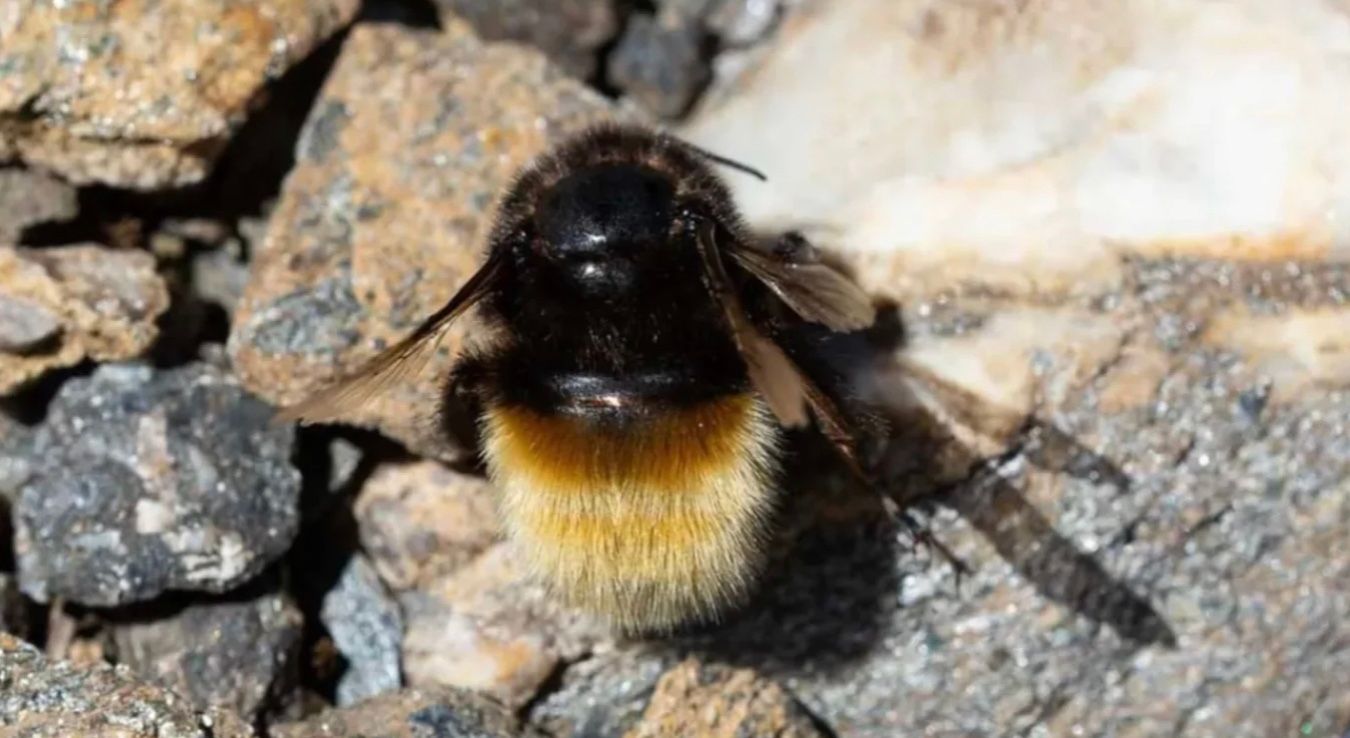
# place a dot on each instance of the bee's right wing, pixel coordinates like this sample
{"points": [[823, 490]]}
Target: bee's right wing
{"points": [[397, 363], [814, 290]]}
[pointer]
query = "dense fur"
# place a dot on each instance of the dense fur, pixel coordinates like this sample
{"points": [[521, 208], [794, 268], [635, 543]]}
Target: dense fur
{"points": [[649, 524]]}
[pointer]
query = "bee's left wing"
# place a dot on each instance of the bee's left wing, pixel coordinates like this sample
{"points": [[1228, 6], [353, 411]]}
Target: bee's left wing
{"points": [[787, 389], [397, 363], [814, 290]]}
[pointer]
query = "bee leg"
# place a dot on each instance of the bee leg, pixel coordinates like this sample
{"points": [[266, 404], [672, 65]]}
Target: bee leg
{"points": [[922, 535]]}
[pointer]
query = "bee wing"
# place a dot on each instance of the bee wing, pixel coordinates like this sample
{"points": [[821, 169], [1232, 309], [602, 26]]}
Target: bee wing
{"points": [[397, 363], [813, 289], [787, 389]]}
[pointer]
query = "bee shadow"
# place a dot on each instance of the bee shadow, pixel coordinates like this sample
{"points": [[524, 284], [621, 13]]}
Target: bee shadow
{"points": [[831, 590]]}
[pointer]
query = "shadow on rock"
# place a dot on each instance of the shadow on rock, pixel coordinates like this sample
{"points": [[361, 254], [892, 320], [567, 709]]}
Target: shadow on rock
{"points": [[835, 573]]}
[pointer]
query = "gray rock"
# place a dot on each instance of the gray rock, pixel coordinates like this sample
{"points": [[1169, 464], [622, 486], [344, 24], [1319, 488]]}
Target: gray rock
{"points": [[367, 627], [569, 32], [29, 198], [45, 699], [25, 325], [413, 713], [662, 62], [149, 480], [239, 654]]}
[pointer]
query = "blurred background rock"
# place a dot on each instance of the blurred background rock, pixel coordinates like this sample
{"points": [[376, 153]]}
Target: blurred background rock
{"points": [[1125, 221]]}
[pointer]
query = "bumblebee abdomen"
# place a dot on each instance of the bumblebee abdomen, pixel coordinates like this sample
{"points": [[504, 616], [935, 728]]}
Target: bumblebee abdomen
{"points": [[650, 522]]}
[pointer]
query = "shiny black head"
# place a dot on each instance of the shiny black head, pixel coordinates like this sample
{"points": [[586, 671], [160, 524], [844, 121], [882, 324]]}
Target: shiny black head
{"points": [[606, 215], [597, 222]]}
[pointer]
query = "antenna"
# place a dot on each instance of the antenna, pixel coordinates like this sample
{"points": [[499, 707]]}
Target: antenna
{"points": [[732, 163]]}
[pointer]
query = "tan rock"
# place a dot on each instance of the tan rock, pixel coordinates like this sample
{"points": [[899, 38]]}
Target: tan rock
{"points": [[144, 94], [388, 207], [712, 701], [1028, 146], [411, 713], [29, 198], [488, 627], [1299, 351], [74, 302], [420, 521], [1132, 381]]}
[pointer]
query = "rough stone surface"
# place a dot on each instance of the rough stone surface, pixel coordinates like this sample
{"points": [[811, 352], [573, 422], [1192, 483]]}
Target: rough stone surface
{"points": [[420, 522], [241, 655], [718, 702], [366, 625], [661, 62], [146, 480], [413, 713], [143, 94], [1162, 566], [29, 198], [569, 32], [1029, 146], [387, 209], [488, 627], [45, 699], [61, 305]]}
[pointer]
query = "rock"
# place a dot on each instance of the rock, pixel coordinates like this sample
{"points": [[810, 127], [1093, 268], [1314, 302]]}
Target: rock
{"points": [[569, 32], [413, 713], [388, 206], [662, 63], [16, 465], [144, 95], [61, 305], [240, 654], [146, 480], [719, 702], [603, 696], [1028, 147], [488, 627], [473, 619], [29, 198], [367, 627], [743, 22], [420, 522], [44, 699]]}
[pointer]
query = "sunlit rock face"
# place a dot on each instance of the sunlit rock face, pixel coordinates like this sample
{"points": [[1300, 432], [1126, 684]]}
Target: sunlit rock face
{"points": [[1031, 146]]}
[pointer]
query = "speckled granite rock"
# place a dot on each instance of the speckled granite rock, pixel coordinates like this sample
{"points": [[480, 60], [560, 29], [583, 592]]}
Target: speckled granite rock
{"points": [[388, 207], [29, 198], [714, 701], [240, 654], [143, 94], [366, 625], [44, 699], [147, 480], [413, 713], [61, 305], [570, 32]]}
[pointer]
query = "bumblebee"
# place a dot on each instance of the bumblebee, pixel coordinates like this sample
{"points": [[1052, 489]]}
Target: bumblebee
{"points": [[632, 413]]}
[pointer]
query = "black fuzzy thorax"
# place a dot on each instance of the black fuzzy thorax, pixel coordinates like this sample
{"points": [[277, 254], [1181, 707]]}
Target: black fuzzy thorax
{"points": [[659, 341]]}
